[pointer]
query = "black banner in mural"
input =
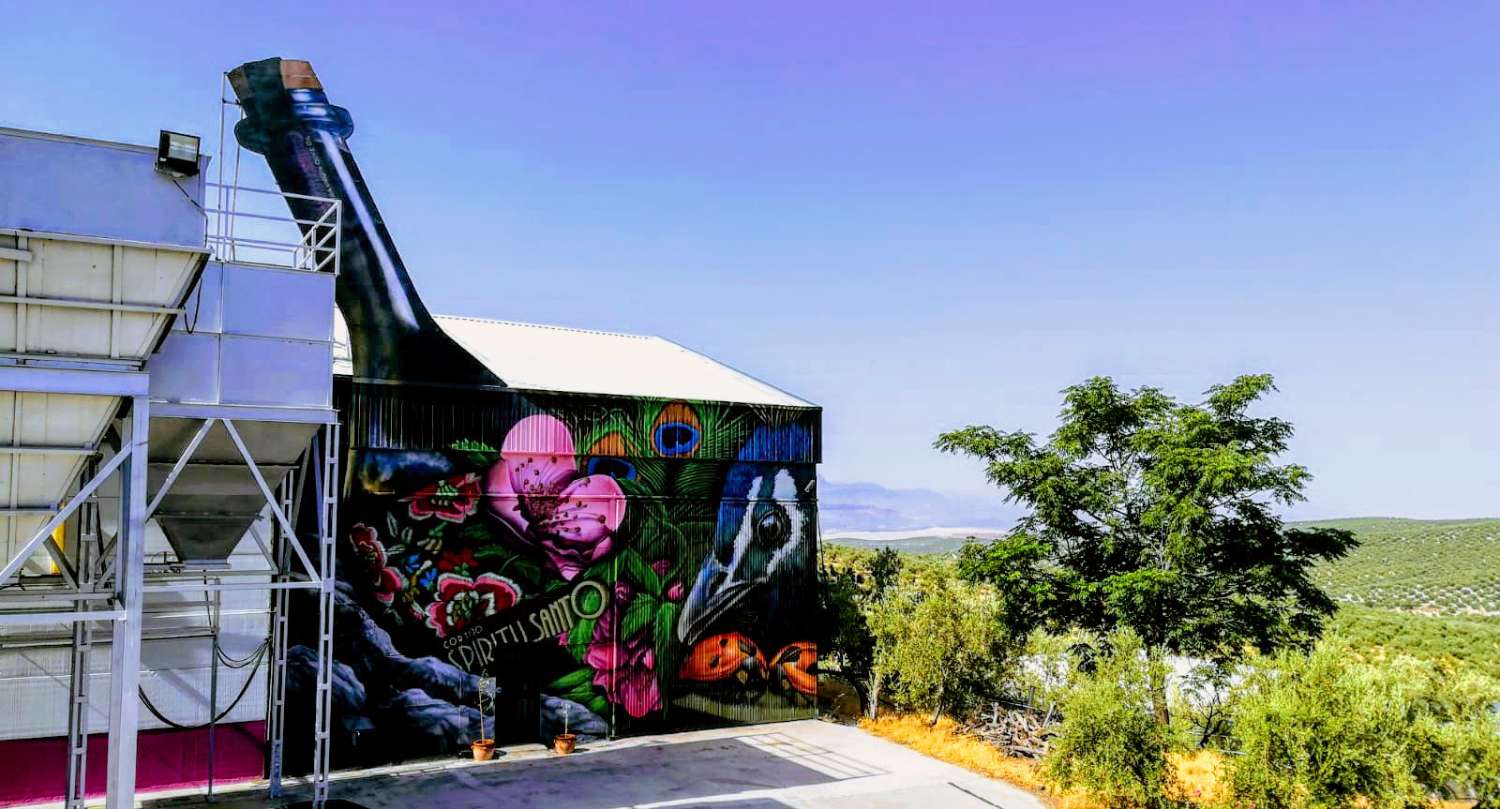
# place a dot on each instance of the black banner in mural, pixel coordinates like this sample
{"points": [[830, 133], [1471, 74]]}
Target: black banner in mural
{"points": [[499, 638]]}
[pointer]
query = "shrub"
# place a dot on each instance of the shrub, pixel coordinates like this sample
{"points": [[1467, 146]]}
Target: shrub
{"points": [[1334, 729], [940, 644], [1110, 744]]}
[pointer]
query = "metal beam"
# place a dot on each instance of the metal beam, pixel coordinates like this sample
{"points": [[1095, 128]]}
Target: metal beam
{"points": [[182, 462], [20, 599], [106, 306], [211, 587], [326, 489], [77, 500], [265, 491], [31, 379], [66, 617], [261, 543], [232, 412], [60, 560], [41, 450], [125, 649]]}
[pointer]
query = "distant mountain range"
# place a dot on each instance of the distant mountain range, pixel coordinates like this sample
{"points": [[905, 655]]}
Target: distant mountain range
{"points": [[848, 507]]}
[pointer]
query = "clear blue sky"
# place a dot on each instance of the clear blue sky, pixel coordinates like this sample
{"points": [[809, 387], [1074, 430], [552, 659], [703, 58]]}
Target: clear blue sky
{"points": [[919, 215]]}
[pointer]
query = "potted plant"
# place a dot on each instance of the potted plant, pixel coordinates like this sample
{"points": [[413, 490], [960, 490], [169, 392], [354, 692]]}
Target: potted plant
{"points": [[484, 748], [564, 742]]}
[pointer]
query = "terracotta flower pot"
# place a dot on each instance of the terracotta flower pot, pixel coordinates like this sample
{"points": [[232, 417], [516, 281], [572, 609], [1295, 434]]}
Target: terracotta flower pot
{"points": [[484, 749], [564, 743]]}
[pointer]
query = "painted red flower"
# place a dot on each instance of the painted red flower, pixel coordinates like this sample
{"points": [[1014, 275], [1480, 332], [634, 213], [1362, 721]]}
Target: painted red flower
{"points": [[453, 499], [462, 600], [385, 581], [457, 560]]}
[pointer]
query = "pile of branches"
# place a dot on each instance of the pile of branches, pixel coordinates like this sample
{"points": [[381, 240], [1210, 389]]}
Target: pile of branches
{"points": [[1017, 730]]}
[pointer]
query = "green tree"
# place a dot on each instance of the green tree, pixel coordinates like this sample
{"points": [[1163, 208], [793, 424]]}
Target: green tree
{"points": [[851, 583], [940, 643], [1159, 516]]}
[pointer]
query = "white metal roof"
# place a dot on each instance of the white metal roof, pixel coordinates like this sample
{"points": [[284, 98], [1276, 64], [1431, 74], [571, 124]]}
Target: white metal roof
{"points": [[530, 356]]}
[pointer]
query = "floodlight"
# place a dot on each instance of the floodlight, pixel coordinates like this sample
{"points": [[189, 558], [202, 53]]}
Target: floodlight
{"points": [[177, 154]]}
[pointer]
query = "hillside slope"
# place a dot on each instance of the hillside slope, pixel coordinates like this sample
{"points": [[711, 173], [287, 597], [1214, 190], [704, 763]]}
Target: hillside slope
{"points": [[1433, 567]]}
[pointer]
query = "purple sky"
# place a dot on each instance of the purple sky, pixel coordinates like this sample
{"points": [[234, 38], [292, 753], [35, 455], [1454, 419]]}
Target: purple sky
{"points": [[919, 218]]}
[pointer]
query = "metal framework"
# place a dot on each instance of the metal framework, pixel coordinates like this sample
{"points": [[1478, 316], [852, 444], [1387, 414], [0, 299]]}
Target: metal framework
{"points": [[102, 578], [99, 578], [105, 580], [102, 582], [291, 568]]}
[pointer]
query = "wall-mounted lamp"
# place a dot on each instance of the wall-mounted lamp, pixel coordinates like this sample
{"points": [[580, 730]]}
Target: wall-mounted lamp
{"points": [[177, 154]]}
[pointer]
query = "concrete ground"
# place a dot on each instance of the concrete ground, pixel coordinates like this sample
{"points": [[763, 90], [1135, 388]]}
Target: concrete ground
{"points": [[807, 765]]}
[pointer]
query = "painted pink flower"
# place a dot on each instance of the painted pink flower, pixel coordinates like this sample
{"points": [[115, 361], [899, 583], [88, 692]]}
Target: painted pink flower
{"points": [[676, 592], [453, 499], [385, 581], [537, 490], [626, 670], [462, 600]]}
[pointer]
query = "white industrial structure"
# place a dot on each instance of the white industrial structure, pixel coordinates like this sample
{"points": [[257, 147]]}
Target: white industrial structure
{"points": [[166, 425]]}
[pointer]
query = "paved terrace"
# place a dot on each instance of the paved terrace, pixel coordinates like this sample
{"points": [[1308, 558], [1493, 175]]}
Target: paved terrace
{"points": [[807, 765]]}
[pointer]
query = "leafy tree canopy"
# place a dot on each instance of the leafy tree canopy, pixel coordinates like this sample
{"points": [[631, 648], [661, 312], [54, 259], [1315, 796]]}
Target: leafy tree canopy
{"points": [[1158, 516]]}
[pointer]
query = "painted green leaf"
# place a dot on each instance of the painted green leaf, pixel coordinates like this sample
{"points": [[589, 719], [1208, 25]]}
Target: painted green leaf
{"points": [[636, 569], [476, 531], [477, 453], [571, 680], [665, 645], [641, 613], [598, 704], [523, 570], [602, 570], [582, 692], [579, 637]]}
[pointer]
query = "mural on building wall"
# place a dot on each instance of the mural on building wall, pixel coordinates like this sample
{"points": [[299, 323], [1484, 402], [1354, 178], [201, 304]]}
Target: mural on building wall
{"points": [[617, 565], [614, 563]]}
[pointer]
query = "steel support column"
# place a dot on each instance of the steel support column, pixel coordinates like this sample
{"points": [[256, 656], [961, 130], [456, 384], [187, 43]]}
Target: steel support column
{"points": [[276, 679], [83, 638], [125, 649], [327, 475]]}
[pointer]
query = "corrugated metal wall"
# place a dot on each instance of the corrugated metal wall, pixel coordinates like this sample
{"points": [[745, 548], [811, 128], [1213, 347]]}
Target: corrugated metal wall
{"points": [[419, 417], [660, 504]]}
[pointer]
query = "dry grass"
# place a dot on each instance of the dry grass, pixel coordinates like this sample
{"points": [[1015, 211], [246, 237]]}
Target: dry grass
{"points": [[1197, 772], [1197, 776], [945, 743]]}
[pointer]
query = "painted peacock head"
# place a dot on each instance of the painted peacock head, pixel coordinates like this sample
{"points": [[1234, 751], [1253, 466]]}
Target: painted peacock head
{"points": [[765, 536]]}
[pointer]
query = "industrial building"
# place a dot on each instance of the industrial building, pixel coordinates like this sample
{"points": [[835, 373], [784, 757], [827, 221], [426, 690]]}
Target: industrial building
{"points": [[267, 516]]}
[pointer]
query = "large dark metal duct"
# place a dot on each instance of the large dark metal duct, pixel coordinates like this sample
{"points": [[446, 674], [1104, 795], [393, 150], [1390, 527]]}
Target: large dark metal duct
{"points": [[303, 137]]}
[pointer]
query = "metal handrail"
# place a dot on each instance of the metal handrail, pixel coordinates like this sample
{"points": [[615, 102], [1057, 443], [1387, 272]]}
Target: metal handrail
{"points": [[318, 239]]}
